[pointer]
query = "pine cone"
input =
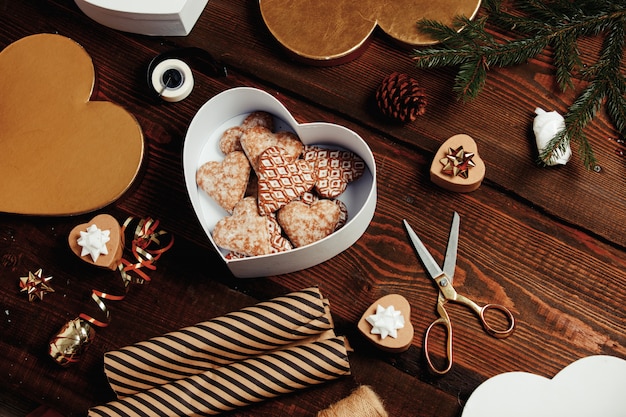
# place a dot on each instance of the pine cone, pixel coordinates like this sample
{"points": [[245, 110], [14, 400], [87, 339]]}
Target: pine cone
{"points": [[400, 97]]}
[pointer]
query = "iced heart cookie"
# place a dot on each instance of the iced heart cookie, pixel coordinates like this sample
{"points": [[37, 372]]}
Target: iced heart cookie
{"points": [[257, 139], [98, 242], [60, 153], [335, 169], [281, 179], [225, 181], [311, 197], [387, 323], [307, 223], [231, 138], [245, 232], [457, 165], [258, 118]]}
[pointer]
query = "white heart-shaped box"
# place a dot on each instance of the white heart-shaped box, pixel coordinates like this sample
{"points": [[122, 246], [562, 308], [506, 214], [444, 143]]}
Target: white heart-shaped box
{"points": [[146, 17], [228, 109], [591, 386]]}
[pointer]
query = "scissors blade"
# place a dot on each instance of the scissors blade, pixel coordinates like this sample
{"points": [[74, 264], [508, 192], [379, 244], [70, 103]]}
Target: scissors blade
{"points": [[449, 263], [429, 262]]}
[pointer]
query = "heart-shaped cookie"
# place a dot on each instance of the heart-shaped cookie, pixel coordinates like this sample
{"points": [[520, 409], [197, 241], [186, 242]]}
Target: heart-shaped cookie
{"points": [[382, 318], [311, 197], [278, 243], [98, 242], [307, 223], [281, 179], [457, 165], [245, 232], [258, 118], [257, 139], [231, 138], [225, 181], [335, 169], [60, 153]]}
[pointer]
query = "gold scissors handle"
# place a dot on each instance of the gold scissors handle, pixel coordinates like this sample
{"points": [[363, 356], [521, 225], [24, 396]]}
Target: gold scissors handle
{"points": [[494, 330], [442, 321], [447, 293]]}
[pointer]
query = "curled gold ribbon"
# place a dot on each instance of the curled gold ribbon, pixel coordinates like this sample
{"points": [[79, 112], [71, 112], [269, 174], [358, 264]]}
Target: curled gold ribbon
{"points": [[147, 245]]}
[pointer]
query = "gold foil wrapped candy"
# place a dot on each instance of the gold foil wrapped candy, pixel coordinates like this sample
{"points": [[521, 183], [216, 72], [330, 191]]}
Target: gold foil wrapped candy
{"points": [[68, 345]]}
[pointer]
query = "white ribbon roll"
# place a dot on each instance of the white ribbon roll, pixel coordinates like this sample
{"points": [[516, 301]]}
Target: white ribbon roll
{"points": [[172, 79]]}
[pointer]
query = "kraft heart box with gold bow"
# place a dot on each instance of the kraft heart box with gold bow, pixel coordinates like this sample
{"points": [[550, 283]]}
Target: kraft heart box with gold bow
{"points": [[275, 196]]}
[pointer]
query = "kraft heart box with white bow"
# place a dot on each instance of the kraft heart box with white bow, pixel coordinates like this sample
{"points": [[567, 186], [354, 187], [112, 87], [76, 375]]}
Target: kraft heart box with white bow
{"points": [[229, 109], [145, 17]]}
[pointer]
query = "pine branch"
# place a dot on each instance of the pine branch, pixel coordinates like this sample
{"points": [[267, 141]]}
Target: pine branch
{"points": [[537, 25]]}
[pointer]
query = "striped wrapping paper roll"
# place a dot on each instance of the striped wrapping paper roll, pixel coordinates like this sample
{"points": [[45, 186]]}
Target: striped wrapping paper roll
{"points": [[238, 384], [246, 333]]}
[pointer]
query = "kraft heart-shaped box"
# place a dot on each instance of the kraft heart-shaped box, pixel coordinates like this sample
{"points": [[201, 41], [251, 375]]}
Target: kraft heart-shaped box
{"points": [[229, 109], [146, 17]]}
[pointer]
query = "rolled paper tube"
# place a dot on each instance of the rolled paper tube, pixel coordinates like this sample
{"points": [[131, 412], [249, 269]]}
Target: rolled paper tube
{"points": [[68, 345], [363, 402], [249, 332], [238, 384]]}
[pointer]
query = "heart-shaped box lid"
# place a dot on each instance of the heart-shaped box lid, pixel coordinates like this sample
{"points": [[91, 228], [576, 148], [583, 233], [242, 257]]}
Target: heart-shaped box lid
{"points": [[146, 17], [591, 386], [60, 153], [229, 109], [333, 32]]}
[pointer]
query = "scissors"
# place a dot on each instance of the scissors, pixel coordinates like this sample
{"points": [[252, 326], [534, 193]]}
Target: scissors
{"points": [[447, 293]]}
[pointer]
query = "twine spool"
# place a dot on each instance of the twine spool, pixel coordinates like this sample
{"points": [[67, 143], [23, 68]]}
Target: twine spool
{"points": [[363, 402]]}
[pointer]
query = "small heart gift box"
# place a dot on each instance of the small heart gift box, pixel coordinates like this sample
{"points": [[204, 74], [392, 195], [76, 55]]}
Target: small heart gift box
{"points": [[202, 145]]}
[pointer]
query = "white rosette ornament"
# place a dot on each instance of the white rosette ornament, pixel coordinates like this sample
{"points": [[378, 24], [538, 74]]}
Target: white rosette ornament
{"points": [[546, 126], [386, 321]]}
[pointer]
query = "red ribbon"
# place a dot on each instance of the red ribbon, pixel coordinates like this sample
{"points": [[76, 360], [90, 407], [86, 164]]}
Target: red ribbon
{"points": [[147, 245]]}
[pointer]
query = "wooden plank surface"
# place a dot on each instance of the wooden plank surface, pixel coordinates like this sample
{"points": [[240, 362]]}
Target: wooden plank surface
{"points": [[546, 242]]}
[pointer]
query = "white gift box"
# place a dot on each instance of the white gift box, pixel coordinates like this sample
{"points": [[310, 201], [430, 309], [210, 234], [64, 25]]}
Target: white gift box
{"points": [[145, 17]]}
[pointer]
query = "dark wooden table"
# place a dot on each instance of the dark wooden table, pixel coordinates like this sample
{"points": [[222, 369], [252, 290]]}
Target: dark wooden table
{"points": [[546, 242]]}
